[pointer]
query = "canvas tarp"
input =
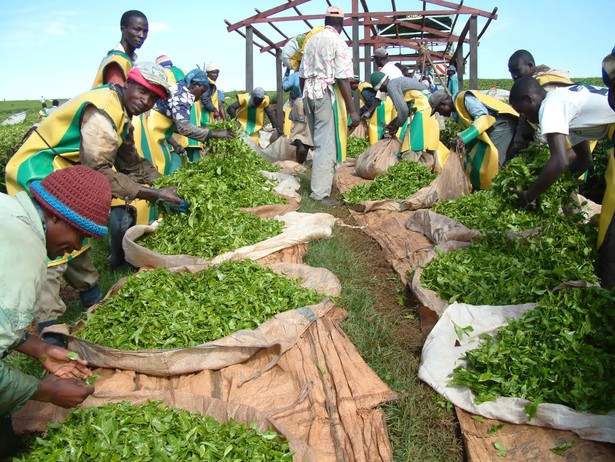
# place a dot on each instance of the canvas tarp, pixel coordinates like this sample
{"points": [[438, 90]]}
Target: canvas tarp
{"points": [[35, 415], [443, 350], [278, 334], [299, 228], [321, 390]]}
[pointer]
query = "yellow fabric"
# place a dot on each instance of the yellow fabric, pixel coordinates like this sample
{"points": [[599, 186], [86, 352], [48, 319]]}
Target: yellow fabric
{"points": [[441, 157], [608, 201], [295, 60], [243, 114], [375, 121], [287, 122], [430, 126], [547, 79], [489, 167], [34, 160], [121, 59], [341, 129], [362, 86]]}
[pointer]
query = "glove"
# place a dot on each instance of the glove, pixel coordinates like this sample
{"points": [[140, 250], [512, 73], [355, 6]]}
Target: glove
{"points": [[170, 208], [523, 203]]}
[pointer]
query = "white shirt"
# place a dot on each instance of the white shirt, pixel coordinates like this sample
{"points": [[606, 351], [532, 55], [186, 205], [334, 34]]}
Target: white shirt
{"points": [[392, 72], [581, 111]]}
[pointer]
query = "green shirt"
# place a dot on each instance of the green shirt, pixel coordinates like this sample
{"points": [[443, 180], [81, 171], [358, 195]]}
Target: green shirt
{"points": [[23, 264]]}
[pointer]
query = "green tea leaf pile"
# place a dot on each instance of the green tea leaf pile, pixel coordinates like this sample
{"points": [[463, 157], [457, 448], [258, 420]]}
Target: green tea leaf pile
{"points": [[216, 186], [355, 146], [162, 310], [129, 432], [497, 271], [399, 182], [496, 209], [560, 352]]}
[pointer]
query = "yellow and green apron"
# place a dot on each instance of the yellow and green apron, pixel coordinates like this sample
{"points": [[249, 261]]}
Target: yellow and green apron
{"points": [[114, 56], [251, 118], [287, 122], [35, 159], [340, 117], [608, 201], [481, 162], [422, 131]]}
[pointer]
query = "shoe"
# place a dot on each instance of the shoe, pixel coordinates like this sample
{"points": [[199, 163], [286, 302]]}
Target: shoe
{"points": [[90, 297], [328, 202]]}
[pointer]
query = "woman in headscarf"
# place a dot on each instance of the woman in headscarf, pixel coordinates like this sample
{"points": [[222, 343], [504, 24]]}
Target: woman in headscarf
{"points": [[153, 134]]}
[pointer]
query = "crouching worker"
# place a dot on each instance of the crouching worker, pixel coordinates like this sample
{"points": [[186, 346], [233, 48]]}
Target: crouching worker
{"points": [[93, 129], [581, 113], [490, 127], [66, 206]]}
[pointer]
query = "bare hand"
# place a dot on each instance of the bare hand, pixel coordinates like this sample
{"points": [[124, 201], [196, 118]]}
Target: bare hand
{"points": [[456, 144], [524, 203], [63, 392], [366, 115], [55, 360], [392, 128], [169, 194], [179, 150]]}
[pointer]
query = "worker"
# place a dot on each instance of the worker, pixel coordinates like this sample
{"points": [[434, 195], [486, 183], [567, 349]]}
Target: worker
{"points": [[52, 220], [581, 113], [326, 71], [299, 133], [250, 109], [172, 115], [489, 127], [115, 66], [93, 129]]}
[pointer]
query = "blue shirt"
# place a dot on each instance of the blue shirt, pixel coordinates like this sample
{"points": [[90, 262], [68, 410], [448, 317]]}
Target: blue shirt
{"points": [[291, 83]]}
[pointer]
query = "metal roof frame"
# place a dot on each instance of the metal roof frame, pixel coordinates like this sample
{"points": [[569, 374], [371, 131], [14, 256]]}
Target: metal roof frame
{"points": [[410, 35]]}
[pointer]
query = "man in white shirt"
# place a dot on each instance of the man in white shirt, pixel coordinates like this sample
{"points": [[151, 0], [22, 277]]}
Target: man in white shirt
{"points": [[582, 113], [382, 64]]}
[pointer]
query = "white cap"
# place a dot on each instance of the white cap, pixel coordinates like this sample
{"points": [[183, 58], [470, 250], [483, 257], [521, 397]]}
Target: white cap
{"points": [[211, 66]]}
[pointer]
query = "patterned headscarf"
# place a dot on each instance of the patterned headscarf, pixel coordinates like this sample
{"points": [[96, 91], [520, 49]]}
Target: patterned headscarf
{"points": [[196, 76]]}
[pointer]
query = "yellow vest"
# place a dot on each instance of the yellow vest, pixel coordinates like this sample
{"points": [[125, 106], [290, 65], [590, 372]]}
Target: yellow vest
{"points": [[608, 201], [61, 130], [481, 162], [295, 60], [251, 118], [114, 56]]}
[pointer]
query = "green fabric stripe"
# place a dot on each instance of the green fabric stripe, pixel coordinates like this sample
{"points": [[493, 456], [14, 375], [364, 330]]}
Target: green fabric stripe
{"points": [[40, 164], [146, 152], [469, 134], [250, 119], [477, 162], [193, 121], [336, 118], [417, 139], [404, 127], [381, 121]]}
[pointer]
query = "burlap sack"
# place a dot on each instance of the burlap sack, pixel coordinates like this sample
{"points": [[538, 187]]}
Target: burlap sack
{"points": [[378, 158], [279, 333], [451, 183], [280, 149], [36, 415], [360, 131]]}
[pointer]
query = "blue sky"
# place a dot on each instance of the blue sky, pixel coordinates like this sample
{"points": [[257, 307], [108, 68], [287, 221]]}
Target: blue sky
{"points": [[53, 48]]}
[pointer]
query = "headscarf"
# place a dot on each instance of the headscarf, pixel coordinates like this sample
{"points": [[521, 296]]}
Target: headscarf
{"points": [[196, 76]]}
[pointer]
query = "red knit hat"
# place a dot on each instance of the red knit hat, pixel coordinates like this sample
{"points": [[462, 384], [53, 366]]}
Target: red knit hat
{"points": [[77, 195]]}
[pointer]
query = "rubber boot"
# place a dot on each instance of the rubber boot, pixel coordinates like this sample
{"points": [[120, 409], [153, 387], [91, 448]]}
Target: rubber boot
{"points": [[120, 219]]}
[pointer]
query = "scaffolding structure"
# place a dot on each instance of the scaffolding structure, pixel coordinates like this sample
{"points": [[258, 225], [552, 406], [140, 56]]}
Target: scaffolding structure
{"points": [[409, 35]]}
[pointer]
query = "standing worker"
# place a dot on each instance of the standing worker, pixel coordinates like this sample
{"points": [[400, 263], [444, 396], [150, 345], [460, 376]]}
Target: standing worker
{"points": [[326, 71], [299, 135], [452, 83], [115, 66], [63, 208]]}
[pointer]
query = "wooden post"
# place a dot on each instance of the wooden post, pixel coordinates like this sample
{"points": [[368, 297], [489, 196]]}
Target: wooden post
{"points": [[355, 46], [473, 53], [249, 59], [461, 68], [279, 112]]}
